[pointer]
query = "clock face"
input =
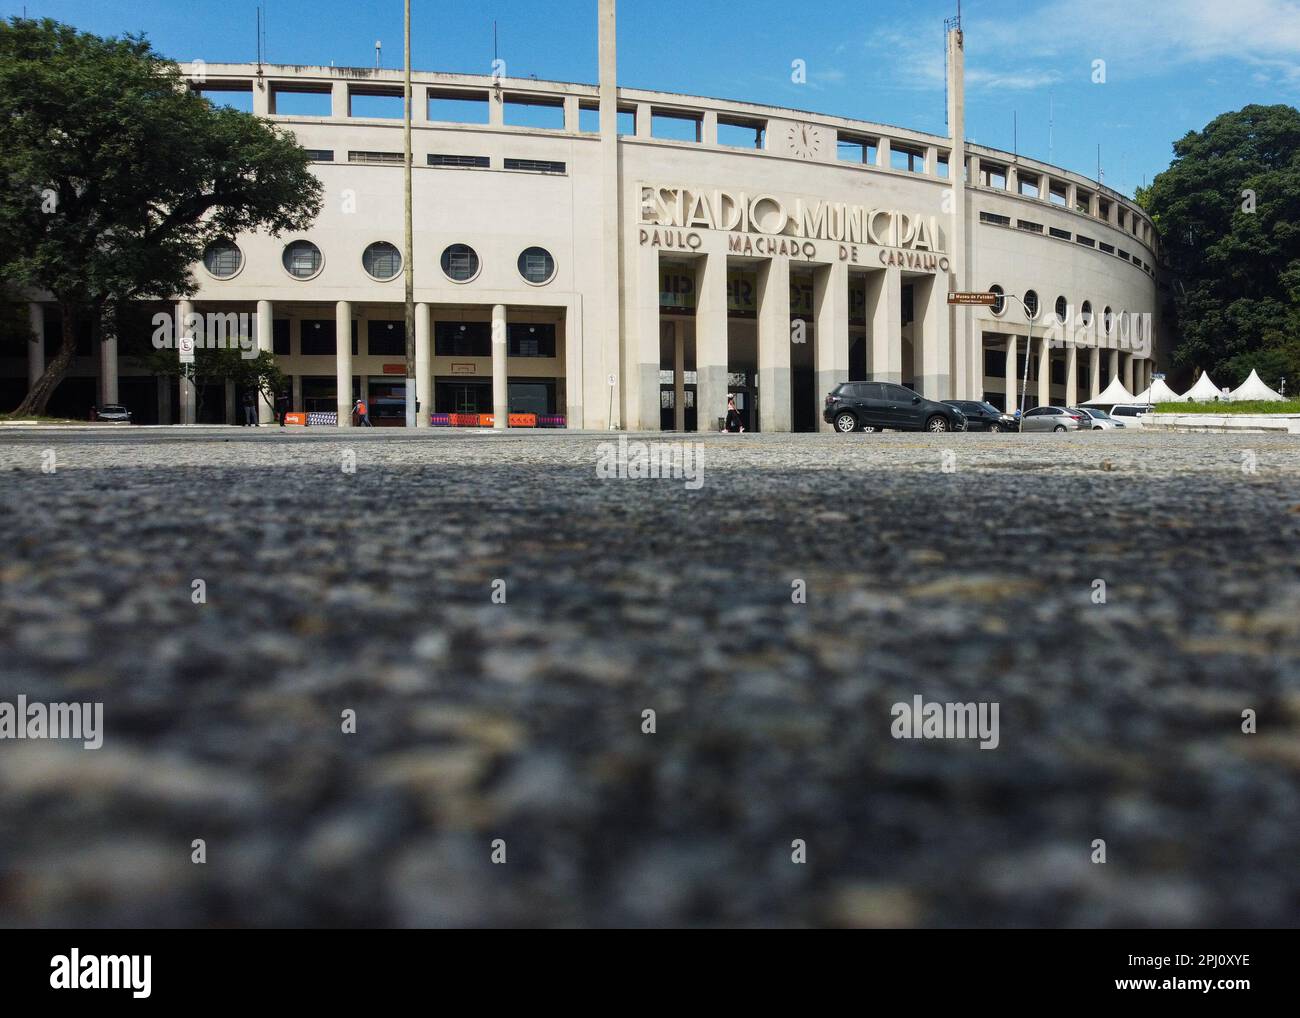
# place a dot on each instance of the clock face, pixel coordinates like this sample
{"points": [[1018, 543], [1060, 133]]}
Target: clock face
{"points": [[805, 141]]}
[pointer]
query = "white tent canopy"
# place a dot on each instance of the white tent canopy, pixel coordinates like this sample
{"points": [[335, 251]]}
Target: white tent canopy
{"points": [[1115, 393], [1254, 388], [1158, 392], [1204, 391]]}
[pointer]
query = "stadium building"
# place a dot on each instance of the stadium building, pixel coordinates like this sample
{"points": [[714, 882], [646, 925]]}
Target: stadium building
{"points": [[599, 257]]}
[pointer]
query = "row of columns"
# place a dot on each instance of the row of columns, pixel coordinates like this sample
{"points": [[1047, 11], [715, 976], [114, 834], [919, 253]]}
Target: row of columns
{"points": [[884, 300], [423, 364], [1135, 371]]}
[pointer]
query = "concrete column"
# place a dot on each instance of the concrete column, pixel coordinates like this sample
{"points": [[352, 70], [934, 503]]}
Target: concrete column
{"points": [[709, 128], [774, 345], [496, 106], [710, 340], [1012, 377], [265, 342], [339, 100], [36, 348], [1128, 371], [883, 150], [260, 98], [885, 310], [343, 362], [831, 334], [642, 352], [1071, 375], [297, 394], [932, 161], [1094, 372], [188, 397], [935, 375], [679, 377], [108, 370], [1013, 179], [572, 115], [500, 362], [974, 179], [1044, 372], [644, 125], [423, 368]]}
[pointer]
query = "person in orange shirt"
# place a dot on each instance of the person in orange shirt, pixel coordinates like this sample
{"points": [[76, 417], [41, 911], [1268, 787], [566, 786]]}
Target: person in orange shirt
{"points": [[363, 413]]}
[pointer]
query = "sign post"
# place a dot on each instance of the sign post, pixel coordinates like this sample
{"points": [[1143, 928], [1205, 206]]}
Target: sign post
{"points": [[964, 298]]}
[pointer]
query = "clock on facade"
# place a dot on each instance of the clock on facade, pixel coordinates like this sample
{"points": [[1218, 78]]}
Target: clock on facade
{"points": [[805, 140]]}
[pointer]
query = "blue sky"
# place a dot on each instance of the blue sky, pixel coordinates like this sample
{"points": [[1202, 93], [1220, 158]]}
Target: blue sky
{"points": [[1170, 65]]}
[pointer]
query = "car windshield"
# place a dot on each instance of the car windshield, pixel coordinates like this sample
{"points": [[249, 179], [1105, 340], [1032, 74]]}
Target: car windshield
{"points": [[1101, 415], [988, 408]]}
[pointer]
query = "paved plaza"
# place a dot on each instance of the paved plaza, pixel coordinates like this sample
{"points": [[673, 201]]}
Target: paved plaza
{"points": [[499, 616]]}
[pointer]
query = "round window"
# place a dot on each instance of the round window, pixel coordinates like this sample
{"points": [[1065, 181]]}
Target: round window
{"points": [[460, 263], [1031, 303], [1001, 304], [536, 265], [302, 259], [381, 260], [223, 259]]}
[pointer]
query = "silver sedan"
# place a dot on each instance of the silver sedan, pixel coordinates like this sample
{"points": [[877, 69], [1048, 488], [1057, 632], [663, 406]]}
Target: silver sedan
{"points": [[1052, 418]]}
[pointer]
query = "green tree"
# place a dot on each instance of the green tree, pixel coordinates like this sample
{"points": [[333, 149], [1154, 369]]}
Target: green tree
{"points": [[217, 366], [115, 175], [1228, 209]]}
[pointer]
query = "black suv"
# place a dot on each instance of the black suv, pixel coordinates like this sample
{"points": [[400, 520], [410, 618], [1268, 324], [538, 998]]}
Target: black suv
{"points": [[854, 405]]}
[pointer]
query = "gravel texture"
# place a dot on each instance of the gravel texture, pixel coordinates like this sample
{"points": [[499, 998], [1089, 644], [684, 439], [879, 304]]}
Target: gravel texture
{"points": [[963, 578]]}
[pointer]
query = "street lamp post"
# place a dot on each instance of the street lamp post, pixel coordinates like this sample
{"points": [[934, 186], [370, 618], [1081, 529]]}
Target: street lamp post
{"points": [[408, 256]]}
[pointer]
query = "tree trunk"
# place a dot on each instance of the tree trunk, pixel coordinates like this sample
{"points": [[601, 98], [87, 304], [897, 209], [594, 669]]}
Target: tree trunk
{"points": [[33, 405]]}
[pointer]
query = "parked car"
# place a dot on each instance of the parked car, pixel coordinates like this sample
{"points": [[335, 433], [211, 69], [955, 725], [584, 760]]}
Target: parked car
{"points": [[1052, 418], [1098, 420], [851, 406], [112, 412], [1132, 413], [981, 416]]}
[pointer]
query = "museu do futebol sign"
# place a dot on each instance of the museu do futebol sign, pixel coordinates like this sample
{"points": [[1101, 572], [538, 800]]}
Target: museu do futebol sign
{"points": [[766, 225]]}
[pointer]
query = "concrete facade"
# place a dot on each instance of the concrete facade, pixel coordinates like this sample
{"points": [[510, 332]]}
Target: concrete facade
{"points": [[700, 247]]}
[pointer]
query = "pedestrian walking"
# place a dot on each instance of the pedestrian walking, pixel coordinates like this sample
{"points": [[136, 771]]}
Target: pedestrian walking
{"points": [[250, 410], [734, 423], [281, 406], [363, 413]]}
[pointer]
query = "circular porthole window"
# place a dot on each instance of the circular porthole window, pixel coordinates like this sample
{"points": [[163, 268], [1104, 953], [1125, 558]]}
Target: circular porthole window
{"points": [[1031, 303], [460, 263], [536, 265], [1107, 321], [302, 259], [1062, 309], [1001, 304], [1085, 314], [382, 260], [223, 259]]}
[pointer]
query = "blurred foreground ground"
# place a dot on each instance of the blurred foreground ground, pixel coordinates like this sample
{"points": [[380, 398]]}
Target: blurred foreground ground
{"points": [[371, 591]]}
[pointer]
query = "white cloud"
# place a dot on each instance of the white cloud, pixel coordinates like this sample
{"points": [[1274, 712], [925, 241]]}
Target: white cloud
{"points": [[1060, 38]]}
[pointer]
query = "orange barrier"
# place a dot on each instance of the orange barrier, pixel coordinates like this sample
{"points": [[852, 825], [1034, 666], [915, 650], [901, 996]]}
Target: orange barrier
{"points": [[486, 420], [523, 420], [296, 418], [463, 420]]}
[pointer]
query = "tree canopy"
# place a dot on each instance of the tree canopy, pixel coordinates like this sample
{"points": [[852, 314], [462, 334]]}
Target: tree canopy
{"points": [[115, 175], [1228, 210]]}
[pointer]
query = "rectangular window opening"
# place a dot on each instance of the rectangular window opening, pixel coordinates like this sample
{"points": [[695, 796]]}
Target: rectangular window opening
{"points": [[457, 106], [530, 111]]}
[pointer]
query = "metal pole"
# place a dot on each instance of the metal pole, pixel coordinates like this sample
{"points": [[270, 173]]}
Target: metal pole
{"points": [[408, 257]]}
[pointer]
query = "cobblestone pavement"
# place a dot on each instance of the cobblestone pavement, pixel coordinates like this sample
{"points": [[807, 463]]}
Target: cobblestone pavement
{"points": [[970, 577]]}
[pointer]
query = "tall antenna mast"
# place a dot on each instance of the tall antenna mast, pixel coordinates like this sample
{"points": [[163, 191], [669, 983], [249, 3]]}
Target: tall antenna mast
{"points": [[1015, 133], [1051, 123]]}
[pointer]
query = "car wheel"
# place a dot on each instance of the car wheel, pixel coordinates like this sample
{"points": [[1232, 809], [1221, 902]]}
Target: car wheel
{"points": [[936, 423], [1059, 427], [846, 423], [995, 428]]}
